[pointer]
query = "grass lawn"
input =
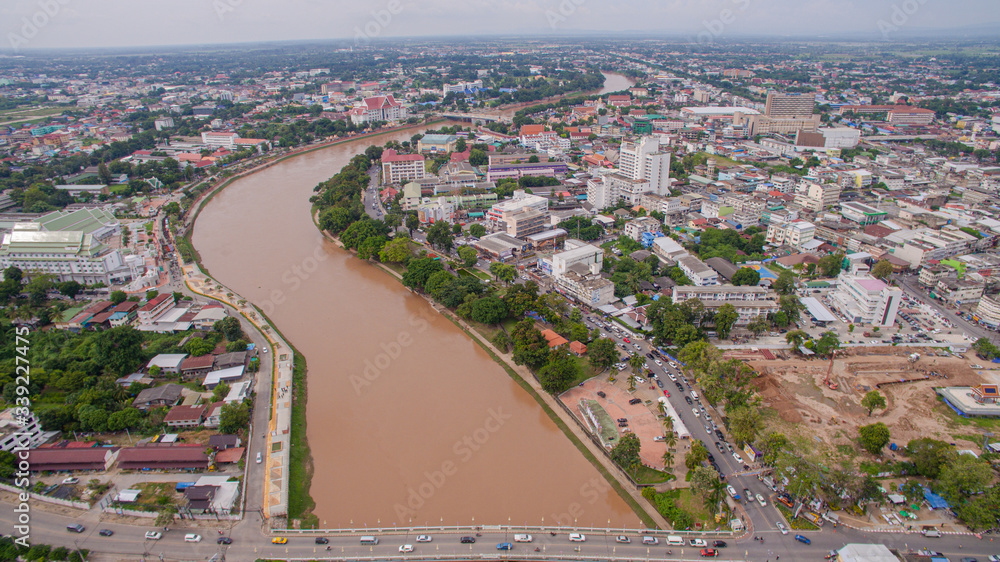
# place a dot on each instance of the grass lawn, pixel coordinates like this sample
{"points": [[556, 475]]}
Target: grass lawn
{"points": [[646, 475], [798, 523], [693, 505], [153, 495], [587, 371], [122, 188]]}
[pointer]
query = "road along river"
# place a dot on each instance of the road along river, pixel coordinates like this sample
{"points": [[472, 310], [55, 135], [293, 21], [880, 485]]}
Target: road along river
{"points": [[408, 419]]}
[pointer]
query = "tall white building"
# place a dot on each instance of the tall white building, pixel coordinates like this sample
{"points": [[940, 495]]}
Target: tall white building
{"points": [[642, 169], [864, 299], [577, 271], [519, 201], [793, 234], [68, 255]]}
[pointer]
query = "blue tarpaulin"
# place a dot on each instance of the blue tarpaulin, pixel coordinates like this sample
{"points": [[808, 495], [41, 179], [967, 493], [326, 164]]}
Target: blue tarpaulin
{"points": [[934, 500]]}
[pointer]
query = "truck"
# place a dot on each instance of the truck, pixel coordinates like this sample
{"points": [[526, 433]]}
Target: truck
{"points": [[785, 502]]}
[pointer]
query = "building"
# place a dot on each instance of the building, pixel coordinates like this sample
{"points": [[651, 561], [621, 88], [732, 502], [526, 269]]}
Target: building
{"points": [[161, 123], [462, 88], [795, 233], [763, 125], [817, 197], [586, 287], [863, 299], [906, 115], [400, 168], [635, 228], [697, 271], [56, 459], [150, 311], [219, 139], [378, 108], [176, 457], [577, 253], [840, 137], [861, 213], [223, 375], [185, 416], [18, 432], [789, 105], [158, 396], [988, 310], [520, 200], [749, 302], [525, 221], [437, 143], [68, 255]]}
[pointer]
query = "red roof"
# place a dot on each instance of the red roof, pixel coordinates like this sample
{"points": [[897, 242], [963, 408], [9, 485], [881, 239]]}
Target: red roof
{"points": [[185, 413], [391, 155], [155, 302], [231, 455], [381, 102]]}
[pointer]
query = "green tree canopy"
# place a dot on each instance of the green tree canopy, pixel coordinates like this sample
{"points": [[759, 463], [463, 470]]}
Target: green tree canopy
{"points": [[626, 452], [746, 276], [119, 350], [873, 400], [874, 437]]}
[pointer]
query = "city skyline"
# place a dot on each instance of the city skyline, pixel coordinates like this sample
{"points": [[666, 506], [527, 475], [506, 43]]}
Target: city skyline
{"points": [[65, 24]]}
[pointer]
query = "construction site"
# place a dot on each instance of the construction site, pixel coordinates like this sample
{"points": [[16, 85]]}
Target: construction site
{"points": [[819, 399]]}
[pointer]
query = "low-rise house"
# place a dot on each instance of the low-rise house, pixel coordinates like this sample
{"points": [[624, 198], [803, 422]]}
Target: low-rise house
{"points": [[213, 415], [175, 457], [69, 459], [167, 362], [197, 366], [223, 375], [166, 395], [234, 359], [185, 416], [223, 442]]}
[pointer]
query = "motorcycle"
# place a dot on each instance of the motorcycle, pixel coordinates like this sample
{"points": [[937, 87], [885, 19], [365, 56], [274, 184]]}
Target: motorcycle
{"points": [[537, 549], [478, 535], [551, 533]]}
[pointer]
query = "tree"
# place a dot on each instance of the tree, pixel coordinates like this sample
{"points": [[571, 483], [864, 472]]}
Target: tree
{"points": [[489, 310], [703, 479], [469, 255], [626, 452], [873, 400], [396, 251], [533, 159], [418, 271], [746, 276], [478, 157], [439, 234], [785, 283], [559, 372], [929, 455], [220, 392], [70, 288], [477, 230], [882, 270], [697, 455], [827, 343], [602, 353], [772, 445], [128, 418], [637, 363], [460, 145], [118, 297], [668, 459], [152, 294], [796, 337], [831, 264], [234, 418], [119, 350], [986, 349], [503, 271], [725, 319], [758, 325], [412, 223], [790, 306], [964, 476], [198, 347], [744, 423], [874, 437], [229, 327]]}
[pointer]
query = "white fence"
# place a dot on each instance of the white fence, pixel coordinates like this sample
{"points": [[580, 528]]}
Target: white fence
{"points": [[35, 496]]}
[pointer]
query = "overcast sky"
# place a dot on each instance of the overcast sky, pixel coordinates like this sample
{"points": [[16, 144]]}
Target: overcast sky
{"points": [[28, 24]]}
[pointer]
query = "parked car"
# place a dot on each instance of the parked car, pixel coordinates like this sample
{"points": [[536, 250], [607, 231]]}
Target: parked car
{"points": [[153, 535], [224, 540], [322, 540], [698, 542]]}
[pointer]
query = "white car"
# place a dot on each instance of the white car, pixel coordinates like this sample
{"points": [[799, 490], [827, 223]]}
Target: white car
{"points": [[623, 539], [698, 542], [191, 537], [672, 377], [153, 535], [406, 548], [71, 480], [782, 528], [731, 491], [761, 501], [639, 379], [658, 362], [522, 538], [738, 458], [423, 538], [577, 537], [697, 414]]}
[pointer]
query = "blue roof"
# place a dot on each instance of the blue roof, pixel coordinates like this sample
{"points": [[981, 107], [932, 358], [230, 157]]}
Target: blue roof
{"points": [[935, 501]]}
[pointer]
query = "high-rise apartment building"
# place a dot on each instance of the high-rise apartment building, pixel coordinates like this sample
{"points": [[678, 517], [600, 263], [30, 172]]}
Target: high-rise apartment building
{"points": [[789, 105]]}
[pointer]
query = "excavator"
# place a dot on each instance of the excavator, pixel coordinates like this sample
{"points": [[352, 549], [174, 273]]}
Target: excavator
{"points": [[827, 381]]}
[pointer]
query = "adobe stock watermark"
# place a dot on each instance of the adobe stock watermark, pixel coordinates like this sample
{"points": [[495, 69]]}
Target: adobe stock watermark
{"points": [[464, 449], [22, 438], [591, 491], [563, 12], [293, 278], [900, 16], [379, 21], [714, 28], [389, 352], [33, 24], [223, 7]]}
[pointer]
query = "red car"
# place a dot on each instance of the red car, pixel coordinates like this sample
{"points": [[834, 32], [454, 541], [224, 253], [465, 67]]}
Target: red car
{"points": [[626, 340], [709, 552], [666, 393]]}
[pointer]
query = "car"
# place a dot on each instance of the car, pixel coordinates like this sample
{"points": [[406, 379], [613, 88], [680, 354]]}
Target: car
{"points": [[719, 447], [76, 528], [658, 362], [192, 537], [505, 546], [731, 491], [659, 383], [70, 480], [711, 458], [719, 544], [577, 537], [672, 377], [993, 558], [666, 393], [601, 394], [688, 400], [322, 540], [467, 540], [761, 500], [748, 494], [279, 540], [697, 542], [153, 535], [697, 414], [639, 379], [635, 401], [626, 340], [522, 538], [968, 559], [802, 539], [105, 532], [224, 540], [738, 458], [258, 458], [406, 548], [623, 539], [709, 552], [424, 538]]}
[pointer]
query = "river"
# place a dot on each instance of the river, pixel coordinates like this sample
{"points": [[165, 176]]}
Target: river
{"points": [[614, 82], [408, 419]]}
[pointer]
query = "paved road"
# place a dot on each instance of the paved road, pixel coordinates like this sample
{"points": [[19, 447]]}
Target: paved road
{"points": [[911, 286]]}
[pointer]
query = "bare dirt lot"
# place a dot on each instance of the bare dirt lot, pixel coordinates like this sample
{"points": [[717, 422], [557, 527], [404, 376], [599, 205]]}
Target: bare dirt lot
{"points": [[795, 389]]}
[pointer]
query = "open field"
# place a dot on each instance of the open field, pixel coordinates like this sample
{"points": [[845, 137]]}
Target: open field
{"points": [[802, 406]]}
